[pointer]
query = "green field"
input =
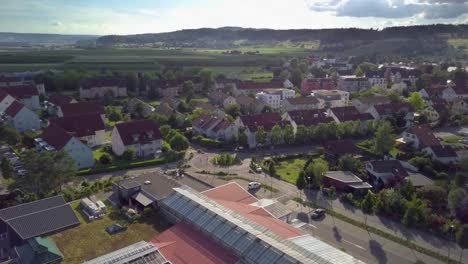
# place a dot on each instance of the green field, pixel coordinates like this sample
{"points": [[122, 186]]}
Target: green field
{"points": [[288, 170], [460, 44]]}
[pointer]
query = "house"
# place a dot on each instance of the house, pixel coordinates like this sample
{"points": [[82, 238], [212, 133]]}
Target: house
{"points": [[274, 97], [345, 181], [251, 123], [307, 118], [99, 87], [165, 110], [418, 180], [300, 103], [310, 85], [348, 113], [5, 101], [221, 99], [26, 94], [334, 150], [377, 78], [145, 190], [252, 88], [460, 106], [55, 138], [137, 107], [8, 80], [452, 93], [431, 92], [49, 216], [165, 88], [433, 113], [384, 111], [87, 128], [277, 209], [353, 83], [21, 117], [82, 108], [331, 98], [443, 153], [215, 127], [419, 137], [55, 101], [141, 135], [38, 250], [385, 173], [249, 105], [364, 103]]}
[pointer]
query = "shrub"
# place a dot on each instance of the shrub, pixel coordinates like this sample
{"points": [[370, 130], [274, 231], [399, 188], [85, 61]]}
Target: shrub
{"points": [[208, 142], [128, 154], [225, 160], [105, 158]]}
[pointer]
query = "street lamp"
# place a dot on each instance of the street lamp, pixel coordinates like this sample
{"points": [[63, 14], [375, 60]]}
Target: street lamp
{"points": [[308, 190], [451, 229]]}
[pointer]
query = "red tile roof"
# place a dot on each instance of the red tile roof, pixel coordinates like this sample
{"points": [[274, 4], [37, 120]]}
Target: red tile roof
{"points": [[55, 136], [182, 244], [82, 108], [80, 125], [234, 197], [350, 113], [425, 135], [105, 81], [250, 85], [14, 108], [140, 131], [393, 108], [265, 120], [309, 117], [444, 151], [2, 95], [58, 99], [21, 91], [310, 85]]}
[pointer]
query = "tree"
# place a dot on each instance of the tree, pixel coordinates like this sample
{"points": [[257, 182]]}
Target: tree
{"points": [[296, 77], [416, 100], [9, 134], [455, 198], [113, 114], [45, 172], [272, 169], [206, 76], [132, 81], [462, 238], [139, 109], [367, 204], [165, 129], [415, 213], [349, 163], [187, 88], [288, 134], [315, 170], [459, 180], [260, 136], [105, 158], [178, 142], [233, 110], [276, 135], [128, 154], [301, 134], [332, 193], [384, 139], [300, 181], [407, 189], [363, 68], [435, 196], [7, 168]]}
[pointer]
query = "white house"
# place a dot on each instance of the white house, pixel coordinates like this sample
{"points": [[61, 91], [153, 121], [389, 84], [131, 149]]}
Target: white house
{"points": [[26, 94], [54, 138], [99, 87], [442, 153], [364, 103], [300, 103], [452, 93], [460, 106], [142, 135], [251, 123], [275, 97], [221, 99], [21, 117], [88, 128], [5, 101], [252, 88], [215, 127], [331, 98], [353, 83]]}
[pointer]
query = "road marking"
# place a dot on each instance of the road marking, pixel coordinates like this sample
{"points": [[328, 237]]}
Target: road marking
{"points": [[344, 240]]}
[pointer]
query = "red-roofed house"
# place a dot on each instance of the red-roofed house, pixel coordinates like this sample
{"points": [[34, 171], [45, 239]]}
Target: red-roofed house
{"points": [[26, 94], [21, 117], [348, 113], [57, 100], [182, 244], [10, 81], [385, 173], [251, 123], [98, 87], [455, 92], [141, 135], [420, 137], [81, 108], [215, 128], [307, 118], [88, 128], [252, 88], [310, 85], [384, 111], [54, 138], [5, 101]]}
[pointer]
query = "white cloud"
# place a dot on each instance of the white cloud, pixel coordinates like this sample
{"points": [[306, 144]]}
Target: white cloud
{"points": [[57, 23]]}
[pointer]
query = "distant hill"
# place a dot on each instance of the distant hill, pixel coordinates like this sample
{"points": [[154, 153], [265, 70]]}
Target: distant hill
{"points": [[42, 39]]}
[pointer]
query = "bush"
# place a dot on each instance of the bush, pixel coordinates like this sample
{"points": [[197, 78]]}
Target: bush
{"points": [[225, 160], [166, 147], [128, 154], [105, 158], [208, 142]]}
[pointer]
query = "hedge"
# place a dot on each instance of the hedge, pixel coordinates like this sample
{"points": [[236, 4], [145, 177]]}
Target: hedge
{"points": [[208, 142], [137, 164]]}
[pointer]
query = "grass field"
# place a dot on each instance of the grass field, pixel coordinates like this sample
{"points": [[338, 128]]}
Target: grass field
{"points": [[461, 44], [90, 240], [288, 170]]}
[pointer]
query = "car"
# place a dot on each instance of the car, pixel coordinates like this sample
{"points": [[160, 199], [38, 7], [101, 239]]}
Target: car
{"points": [[254, 185], [115, 228], [21, 172], [258, 169], [317, 213]]}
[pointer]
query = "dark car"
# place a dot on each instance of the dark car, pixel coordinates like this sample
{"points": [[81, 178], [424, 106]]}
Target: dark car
{"points": [[317, 213], [115, 228]]}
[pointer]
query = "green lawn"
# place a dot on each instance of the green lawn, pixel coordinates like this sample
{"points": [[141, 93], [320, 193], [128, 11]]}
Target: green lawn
{"points": [[288, 170], [453, 142], [90, 240]]}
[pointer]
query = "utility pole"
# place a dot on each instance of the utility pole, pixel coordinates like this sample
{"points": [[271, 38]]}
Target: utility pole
{"points": [[451, 229]]}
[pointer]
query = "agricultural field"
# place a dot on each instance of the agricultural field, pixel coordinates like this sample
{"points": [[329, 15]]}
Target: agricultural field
{"points": [[461, 44]]}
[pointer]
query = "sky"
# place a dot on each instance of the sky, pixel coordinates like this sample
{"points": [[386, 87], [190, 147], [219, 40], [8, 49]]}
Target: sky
{"points": [[105, 17]]}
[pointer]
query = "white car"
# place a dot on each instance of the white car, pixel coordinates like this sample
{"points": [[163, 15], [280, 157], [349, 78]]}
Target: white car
{"points": [[254, 185], [258, 169]]}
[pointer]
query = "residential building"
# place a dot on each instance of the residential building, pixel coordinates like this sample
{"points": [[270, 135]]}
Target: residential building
{"points": [[364, 103], [249, 105], [82, 108], [26, 94], [137, 107], [49, 215], [377, 78], [345, 181], [418, 180], [54, 138], [307, 118], [274, 97], [353, 83], [141, 135], [443, 153], [432, 92], [251, 123], [418, 137], [310, 85], [221, 99], [165, 110], [452, 93], [165, 88], [38, 250], [252, 88], [145, 190], [348, 113], [460, 106], [334, 150], [384, 111], [9, 80], [300, 103], [88, 128], [5, 101], [215, 127], [99, 87], [54, 102], [385, 173], [331, 98], [21, 117]]}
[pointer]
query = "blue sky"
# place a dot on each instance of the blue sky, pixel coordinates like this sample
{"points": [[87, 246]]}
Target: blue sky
{"points": [[143, 16]]}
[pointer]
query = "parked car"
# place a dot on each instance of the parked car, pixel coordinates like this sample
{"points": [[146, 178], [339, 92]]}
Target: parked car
{"points": [[115, 228], [317, 213], [254, 185], [258, 170], [21, 172]]}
